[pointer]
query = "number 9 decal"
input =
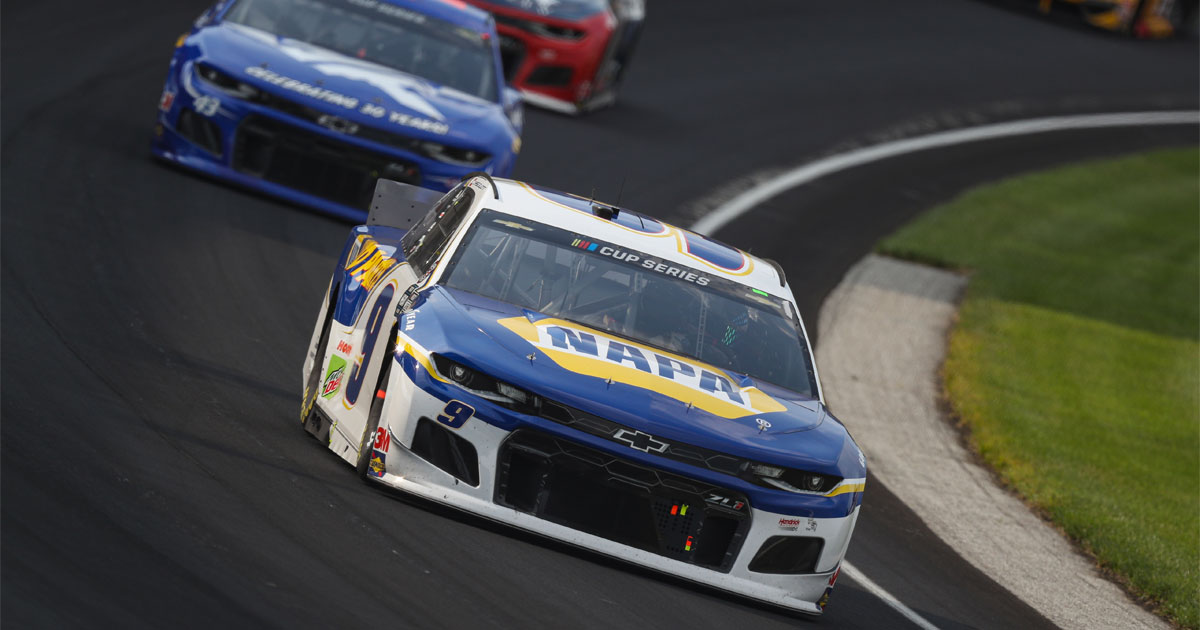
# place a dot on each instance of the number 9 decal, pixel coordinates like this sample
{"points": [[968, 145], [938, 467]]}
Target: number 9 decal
{"points": [[456, 413]]}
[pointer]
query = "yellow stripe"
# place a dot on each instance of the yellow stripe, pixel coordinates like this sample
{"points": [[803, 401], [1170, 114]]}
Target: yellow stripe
{"points": [[847, 487], [418, 353]]}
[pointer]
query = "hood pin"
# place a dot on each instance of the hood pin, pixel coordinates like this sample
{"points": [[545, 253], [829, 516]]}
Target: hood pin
{"points": [[763, 425]]}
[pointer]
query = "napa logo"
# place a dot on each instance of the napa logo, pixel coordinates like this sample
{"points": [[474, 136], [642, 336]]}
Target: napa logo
{"points": [[593, 353]]}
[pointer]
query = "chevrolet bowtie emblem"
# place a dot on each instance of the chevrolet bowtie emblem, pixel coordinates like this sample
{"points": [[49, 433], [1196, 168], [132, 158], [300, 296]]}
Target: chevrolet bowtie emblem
{"points": [[641, 441]]}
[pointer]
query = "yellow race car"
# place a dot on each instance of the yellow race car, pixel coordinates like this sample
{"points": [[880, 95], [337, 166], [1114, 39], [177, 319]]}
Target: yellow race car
{"points": [[1152, 19]]}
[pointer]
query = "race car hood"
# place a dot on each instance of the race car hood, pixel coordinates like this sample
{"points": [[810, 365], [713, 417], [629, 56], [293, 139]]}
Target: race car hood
{"points": [[648, 389], [354, 89]]}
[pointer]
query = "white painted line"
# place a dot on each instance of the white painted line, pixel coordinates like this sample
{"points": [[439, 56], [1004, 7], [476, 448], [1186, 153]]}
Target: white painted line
{"points": [[744, 202], [887, 597]]}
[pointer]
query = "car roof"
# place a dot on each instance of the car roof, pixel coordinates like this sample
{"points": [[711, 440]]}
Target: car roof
{"points": [[638, 232]]}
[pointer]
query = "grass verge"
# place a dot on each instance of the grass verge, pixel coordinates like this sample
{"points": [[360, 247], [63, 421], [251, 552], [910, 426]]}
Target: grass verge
{"points": [[1075, 362]]}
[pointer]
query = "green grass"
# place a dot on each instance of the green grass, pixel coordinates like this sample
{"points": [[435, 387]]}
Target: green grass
{"points": [[1075, 362]]}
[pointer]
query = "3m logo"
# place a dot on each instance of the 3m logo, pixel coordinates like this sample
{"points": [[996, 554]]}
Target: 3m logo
{"points": [[344, 347]]}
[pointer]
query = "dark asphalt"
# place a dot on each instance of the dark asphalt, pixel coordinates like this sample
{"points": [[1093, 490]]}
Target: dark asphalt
{"points": [[152, 468]]}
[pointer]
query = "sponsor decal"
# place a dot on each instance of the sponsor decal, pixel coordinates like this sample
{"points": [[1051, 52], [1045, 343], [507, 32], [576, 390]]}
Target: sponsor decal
{"points": [[812, 525], [375, 318], [390, 10], [380, 444], [333, 377], [344, 347], [643, 442], [862, 459], [166, 100], [725, 502], [383, 440], [397, 87], [789, 524], [631, 258], [596, 354], [370, 265], [829, 589], [375, 469]]}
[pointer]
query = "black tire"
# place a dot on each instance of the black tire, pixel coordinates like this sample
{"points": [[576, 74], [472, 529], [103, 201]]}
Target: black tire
{"points": [[312, 387], [368, 437]]}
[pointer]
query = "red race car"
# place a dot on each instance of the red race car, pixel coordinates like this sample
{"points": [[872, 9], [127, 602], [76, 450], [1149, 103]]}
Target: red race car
{"points": [[566, 55]]}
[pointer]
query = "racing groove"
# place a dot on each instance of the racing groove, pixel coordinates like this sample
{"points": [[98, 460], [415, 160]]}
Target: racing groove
{"points": [[153, 468]]}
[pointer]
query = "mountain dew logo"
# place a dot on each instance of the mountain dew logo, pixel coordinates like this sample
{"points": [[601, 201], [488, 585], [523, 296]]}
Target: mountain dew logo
{"points": [[333, 378]]}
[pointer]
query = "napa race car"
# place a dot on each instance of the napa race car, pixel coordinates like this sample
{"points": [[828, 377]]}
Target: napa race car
{"points": [[589, 374], [314, 100], [567, 55]]}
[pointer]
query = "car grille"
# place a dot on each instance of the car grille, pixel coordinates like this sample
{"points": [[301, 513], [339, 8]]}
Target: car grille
{"points": [[551, 76], [310, 163], [715, 461], [460, 156], [580, 487]]}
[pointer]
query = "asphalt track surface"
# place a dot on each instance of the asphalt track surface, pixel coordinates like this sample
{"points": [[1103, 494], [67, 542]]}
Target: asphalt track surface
{"points": [[153, 469]]}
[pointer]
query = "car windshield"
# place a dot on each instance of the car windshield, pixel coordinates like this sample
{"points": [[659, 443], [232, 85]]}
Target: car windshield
{"points": [[382, 33], [633, 295], [561, 9]]}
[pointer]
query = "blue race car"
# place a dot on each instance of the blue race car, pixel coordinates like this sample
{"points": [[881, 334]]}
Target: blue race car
{"points": [[589, 374], [314, 100]]}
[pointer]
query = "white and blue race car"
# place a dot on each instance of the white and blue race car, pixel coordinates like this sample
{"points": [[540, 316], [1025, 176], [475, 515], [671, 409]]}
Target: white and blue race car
{"points": [[589, 374], [312, 101]]}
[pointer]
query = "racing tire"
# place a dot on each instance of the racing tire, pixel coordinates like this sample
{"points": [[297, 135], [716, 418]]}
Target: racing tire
{"points": [[365, 445]]}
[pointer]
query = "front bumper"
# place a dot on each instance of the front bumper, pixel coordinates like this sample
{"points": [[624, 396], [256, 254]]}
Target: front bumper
{"points": [[203, 128], [556, 74], [567, 485]]}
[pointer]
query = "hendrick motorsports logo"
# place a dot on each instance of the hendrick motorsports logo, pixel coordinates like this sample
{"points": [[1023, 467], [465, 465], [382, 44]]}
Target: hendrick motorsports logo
{"points": [[595, 354]]}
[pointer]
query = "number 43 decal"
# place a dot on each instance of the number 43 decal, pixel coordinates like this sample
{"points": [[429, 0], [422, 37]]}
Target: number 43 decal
{"points": [[456, 413]]}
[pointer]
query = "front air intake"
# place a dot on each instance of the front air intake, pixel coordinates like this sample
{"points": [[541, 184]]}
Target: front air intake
{"points": [[447, 450], [788, 555]]}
